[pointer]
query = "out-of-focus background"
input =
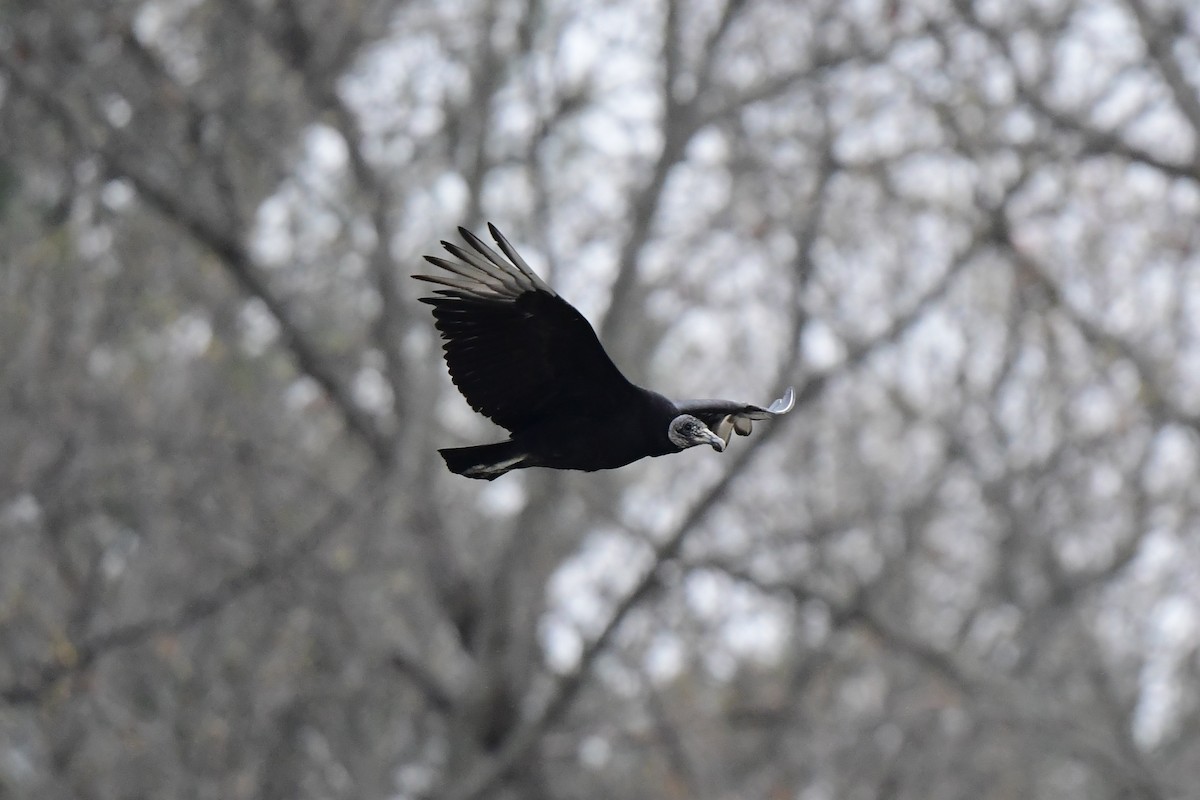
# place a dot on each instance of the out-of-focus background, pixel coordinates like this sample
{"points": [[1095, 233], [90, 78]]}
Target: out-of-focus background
{"points": [[232, 564]]}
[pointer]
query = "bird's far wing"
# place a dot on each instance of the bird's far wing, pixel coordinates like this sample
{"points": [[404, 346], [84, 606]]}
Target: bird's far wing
{"points": [[515, 349], [725, 417]]}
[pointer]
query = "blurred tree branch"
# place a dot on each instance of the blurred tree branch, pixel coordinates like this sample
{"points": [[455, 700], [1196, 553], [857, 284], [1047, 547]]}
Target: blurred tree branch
{"points": [[224, 244], [83, 654]]}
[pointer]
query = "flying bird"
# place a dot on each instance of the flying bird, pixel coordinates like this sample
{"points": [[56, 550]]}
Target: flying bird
{"points": [[528, 360]]}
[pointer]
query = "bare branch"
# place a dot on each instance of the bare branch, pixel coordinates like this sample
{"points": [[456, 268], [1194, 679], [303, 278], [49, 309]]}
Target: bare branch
{"points": [[223, 243], [1160, 45], [367, 493]]}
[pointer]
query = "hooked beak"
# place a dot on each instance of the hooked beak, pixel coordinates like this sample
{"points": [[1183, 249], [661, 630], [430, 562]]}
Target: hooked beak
{"points": [[708, 437]]}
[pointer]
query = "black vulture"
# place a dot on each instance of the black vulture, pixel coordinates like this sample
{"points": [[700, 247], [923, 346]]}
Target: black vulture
{"points": [[524, 357]]}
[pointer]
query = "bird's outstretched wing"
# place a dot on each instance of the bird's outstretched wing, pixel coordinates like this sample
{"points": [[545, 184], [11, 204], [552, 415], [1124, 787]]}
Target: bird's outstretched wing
{"points": [[724, 417], [515, 349]]}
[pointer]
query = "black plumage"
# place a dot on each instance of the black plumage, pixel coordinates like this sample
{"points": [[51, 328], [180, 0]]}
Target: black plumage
{"points": [[524, 357]]}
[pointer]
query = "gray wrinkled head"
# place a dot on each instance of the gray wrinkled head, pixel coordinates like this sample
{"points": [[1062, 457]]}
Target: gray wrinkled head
{"points": [[688, 431]]}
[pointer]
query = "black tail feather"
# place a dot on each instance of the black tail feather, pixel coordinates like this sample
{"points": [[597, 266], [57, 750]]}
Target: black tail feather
{"points": [[484, 461]]}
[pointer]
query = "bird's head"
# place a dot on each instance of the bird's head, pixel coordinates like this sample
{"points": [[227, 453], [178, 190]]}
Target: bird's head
{"points": [[687, 431]]}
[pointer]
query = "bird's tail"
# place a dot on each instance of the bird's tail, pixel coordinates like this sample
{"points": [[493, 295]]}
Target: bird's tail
{"points": [[484, 461]]}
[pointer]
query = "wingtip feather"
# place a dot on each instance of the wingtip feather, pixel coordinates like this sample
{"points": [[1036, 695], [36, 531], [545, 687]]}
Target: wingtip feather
{"points": [[519, 262], [784, 404]]}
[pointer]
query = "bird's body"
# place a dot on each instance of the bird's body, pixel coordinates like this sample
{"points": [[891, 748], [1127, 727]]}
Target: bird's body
{"points": [[588, 442], [527, 359]]}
